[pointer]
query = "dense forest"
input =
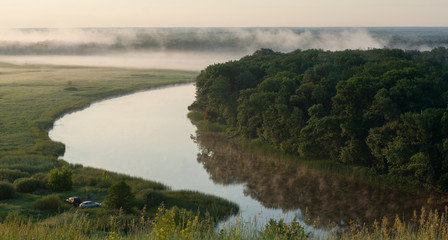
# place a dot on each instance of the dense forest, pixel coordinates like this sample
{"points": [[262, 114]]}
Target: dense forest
{"points": [[382, 109]]}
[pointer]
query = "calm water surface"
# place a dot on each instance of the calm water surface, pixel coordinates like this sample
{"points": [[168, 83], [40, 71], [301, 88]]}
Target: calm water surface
{"points": [[148, 134]]}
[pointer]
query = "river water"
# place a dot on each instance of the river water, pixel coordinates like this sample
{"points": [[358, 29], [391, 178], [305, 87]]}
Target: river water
{"points": [[148, 134]]}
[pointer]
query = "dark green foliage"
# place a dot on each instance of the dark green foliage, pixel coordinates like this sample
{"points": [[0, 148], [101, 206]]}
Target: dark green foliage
{"points": [[71, 89], [384, 109], [50, 202], [151, 198], [26, 185], [285, 230], [42, 179], [10, 175], [189, 200], [7, 191], [105, 180], [120, 196], [60, 180]]}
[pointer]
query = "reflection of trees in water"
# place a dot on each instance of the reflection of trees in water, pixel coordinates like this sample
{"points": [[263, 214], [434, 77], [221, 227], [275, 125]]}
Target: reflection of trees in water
{"points": [[284, 184]]}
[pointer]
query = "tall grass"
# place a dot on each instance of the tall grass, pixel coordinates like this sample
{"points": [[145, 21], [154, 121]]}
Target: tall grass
{"points": [[176, 223], [426, 225]]}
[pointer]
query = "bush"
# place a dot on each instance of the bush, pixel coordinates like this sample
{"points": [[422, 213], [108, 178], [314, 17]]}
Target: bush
{"points": [[283, 230], [26, 185], [105, 180], [42, 179], [10, 175], [150, 198], [155, 198], [120, 196], [50, 202], [7, 191], [60, 180], [83, 180]]}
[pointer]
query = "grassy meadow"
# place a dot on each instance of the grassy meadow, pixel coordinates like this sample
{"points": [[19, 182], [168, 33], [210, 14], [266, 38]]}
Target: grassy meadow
{"points": [[32, 97]]}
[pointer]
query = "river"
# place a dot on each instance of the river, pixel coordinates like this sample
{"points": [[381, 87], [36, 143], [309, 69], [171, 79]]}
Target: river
{"points": [[148, 134]]}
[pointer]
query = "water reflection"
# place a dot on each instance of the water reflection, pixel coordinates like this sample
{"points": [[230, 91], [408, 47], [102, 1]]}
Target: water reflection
{"points": [[286, 185]]}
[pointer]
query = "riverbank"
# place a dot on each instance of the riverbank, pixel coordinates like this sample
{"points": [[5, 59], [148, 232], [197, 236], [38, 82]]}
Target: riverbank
{"points": [[332, 193], [355, 171], [32, 97]]}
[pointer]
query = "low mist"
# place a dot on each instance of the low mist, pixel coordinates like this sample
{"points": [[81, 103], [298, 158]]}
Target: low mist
{"points": [[149, 60], [195, 48]]}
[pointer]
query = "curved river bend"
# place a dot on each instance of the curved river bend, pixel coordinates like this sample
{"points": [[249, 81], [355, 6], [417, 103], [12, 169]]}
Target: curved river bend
{"points": [[148, 134]]}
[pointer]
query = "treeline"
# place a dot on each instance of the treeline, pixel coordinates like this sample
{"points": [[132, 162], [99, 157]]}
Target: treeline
{"points": [[384, 109]]}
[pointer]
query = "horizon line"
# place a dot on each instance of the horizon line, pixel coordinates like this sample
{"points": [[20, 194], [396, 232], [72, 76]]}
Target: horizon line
{"points": [[136, 27]]}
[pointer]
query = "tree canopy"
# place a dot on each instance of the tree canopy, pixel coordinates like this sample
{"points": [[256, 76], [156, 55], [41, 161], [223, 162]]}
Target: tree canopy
{"points": [[385, 109], [60, 180], [120, 196]]}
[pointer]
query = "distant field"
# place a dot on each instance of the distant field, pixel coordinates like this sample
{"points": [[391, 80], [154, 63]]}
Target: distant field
{"points": [[32, 95]]}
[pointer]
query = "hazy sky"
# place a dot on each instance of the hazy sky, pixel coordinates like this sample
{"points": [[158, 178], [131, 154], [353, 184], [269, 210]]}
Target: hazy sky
{"points": [[221, 13]]}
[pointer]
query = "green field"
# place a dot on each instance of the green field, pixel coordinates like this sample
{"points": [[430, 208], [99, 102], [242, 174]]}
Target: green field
{"points": [[32, 97]]}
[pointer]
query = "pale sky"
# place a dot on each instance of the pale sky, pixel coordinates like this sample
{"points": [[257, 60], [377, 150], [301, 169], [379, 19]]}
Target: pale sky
{"points": [[221, 13]]}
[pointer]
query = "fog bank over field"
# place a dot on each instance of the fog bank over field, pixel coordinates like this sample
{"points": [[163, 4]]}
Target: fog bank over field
{"points": [[150, 60], [195, 48]]}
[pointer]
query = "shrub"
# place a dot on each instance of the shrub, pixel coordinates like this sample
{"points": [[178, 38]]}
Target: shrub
{"points": [[105, 180], [10, 175], [120, 196], [284, 230], [150, 198], [71, 89], [26, 185], [42, 179], [50, 202], [155, 198], [7, 191], [178, 223], [60, 180], [85, 180]]}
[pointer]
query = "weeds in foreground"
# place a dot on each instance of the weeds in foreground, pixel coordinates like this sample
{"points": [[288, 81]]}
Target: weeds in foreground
{"points": [[177, 223], [427, 225]]}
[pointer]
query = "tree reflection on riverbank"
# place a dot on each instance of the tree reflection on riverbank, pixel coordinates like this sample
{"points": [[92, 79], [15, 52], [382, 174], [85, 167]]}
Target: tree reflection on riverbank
{"points": [[283, 184]]}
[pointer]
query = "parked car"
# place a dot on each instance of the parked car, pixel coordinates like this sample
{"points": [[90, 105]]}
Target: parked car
{"points": [[89, 204], [75, 201]]}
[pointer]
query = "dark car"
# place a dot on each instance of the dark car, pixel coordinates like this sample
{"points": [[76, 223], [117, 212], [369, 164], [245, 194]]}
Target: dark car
{"points": [[75, 201]]}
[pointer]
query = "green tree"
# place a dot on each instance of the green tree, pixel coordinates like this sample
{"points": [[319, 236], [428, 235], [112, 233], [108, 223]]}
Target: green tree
{"points": [[60, 180], [120, 196], [105, 179], [384, 109]]}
